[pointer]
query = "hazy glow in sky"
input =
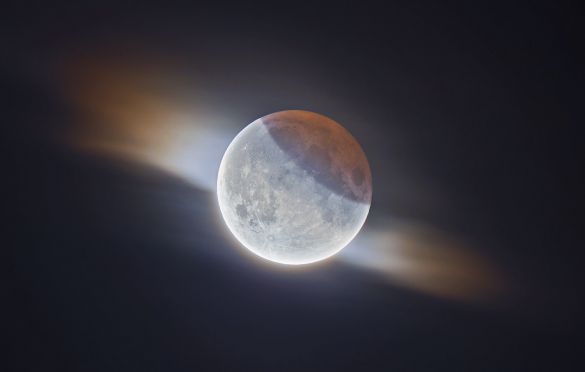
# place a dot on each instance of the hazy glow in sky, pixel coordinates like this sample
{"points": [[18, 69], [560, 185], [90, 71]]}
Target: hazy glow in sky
{"points": [[122, 114]]}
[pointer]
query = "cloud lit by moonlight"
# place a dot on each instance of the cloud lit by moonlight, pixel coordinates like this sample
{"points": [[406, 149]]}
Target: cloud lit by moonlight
{"points": [[122, 111]]}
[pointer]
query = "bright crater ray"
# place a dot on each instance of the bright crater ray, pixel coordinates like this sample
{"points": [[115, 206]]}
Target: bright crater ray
{"points": [[294, 187]]}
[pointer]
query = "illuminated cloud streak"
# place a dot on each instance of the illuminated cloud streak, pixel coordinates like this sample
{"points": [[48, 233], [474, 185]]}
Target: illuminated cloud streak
{"points": [[425, 259], [123, 111]]}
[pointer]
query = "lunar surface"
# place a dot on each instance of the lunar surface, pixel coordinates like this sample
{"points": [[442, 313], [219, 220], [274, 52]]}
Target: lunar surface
{"points": [[294, 187]]}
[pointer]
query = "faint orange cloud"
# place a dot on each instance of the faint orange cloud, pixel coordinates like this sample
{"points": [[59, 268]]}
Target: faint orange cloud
{"points": [[425, 259], [124, 107]]}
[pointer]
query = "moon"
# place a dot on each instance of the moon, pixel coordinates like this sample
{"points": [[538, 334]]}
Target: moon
{"points": [[294, 187]]}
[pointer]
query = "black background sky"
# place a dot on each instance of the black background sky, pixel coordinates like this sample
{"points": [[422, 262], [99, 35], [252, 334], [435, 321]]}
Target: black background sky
{"points": [[469, 115]]}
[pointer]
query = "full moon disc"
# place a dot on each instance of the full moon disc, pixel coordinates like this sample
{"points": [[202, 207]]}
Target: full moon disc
{"points": [[294, 187]]}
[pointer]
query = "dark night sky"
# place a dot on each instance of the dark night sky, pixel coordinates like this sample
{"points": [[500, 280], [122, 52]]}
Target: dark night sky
{"points": [[470, 119]]}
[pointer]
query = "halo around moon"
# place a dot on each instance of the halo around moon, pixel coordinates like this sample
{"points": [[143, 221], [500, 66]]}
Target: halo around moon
{"points": [[294, 187]]}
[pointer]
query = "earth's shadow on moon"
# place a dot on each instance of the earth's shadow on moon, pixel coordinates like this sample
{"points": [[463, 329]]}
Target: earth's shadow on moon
{"points": [[327, 151]]}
